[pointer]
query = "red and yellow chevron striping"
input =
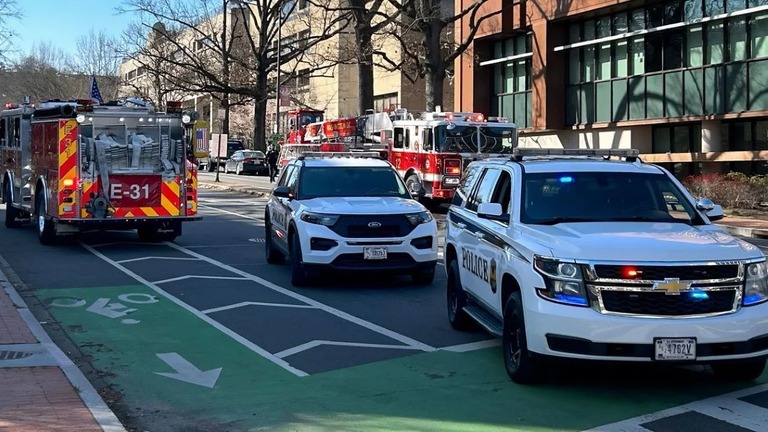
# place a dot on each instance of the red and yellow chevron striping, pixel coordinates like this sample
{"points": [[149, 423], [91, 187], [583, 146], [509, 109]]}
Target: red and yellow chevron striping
{"points": [[68, 155]]}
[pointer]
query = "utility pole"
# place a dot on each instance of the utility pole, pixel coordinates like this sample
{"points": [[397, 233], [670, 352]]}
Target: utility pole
{"points": [[225, 99]]}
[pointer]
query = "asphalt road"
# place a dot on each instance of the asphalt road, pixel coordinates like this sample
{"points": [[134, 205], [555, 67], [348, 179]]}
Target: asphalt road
{"points": [[203, 334]]}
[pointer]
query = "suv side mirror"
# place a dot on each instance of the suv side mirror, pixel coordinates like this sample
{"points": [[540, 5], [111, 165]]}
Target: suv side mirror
{"points": [[713, 211], [492, 211], [282, 192]]}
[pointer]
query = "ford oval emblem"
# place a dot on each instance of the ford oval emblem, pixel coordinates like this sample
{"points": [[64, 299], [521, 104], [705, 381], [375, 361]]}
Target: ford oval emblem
{"points": [[374, 225]]}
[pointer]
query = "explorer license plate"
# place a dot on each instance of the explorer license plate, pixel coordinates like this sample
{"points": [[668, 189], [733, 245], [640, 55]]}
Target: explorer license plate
{"points": [[375, 253], [675, 348]]}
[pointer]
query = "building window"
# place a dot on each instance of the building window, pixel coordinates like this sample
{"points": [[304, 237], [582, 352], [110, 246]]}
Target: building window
{"points": [[385, 103], [512, 81], [302, 78]]}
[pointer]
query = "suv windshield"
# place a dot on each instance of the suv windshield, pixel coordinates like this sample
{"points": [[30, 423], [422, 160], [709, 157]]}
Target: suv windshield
{"points": [[315, 182], [551, 198], [465, 139]]}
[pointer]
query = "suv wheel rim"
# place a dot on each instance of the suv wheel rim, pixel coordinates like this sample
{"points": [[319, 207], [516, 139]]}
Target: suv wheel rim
{"points": [[513, 350], [40, 223]]}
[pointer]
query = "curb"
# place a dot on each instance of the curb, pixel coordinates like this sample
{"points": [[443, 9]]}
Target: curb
{"points": [[101, 413], [745, 231]]}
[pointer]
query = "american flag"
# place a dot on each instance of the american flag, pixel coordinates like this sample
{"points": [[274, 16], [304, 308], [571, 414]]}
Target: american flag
{"points": [[95, 93], [201, 139]]}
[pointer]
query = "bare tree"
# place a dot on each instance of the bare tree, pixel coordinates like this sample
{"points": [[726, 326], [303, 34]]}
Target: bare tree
{"points": [[42, 75], [96, 54], [8, 11], [427, 43], [202, 56]]}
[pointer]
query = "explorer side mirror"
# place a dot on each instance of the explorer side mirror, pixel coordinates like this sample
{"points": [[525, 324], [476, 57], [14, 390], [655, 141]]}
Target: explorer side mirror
{"points": [[492, 211], [282, 192], [713, 211]]}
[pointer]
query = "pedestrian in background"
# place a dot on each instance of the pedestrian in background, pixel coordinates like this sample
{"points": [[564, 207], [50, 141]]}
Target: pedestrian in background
{"points": [[272, 162]]}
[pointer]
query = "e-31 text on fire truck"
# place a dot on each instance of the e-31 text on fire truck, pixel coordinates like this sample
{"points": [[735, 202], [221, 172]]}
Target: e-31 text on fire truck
{"points": [[74, 166]]}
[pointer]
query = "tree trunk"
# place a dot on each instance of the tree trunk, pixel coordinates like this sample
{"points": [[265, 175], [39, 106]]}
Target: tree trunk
{"points": [[364, 68], [434, 65]]}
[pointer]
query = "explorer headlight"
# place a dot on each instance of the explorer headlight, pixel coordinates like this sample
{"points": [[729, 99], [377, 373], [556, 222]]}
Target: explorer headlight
{"points": [[756, 284], [319, 218], [420, 218], [564, 281]]}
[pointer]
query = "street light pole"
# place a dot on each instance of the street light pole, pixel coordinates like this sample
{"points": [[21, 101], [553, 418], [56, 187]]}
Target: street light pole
{"points": [[225, 64]]}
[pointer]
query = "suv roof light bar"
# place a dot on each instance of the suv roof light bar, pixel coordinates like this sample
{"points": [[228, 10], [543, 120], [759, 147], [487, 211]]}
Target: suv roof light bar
{"points": [[631, 154]]}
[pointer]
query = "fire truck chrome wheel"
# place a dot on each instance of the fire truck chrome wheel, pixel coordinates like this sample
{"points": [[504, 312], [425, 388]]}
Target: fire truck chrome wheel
{"points": [[45, 229], [520, 366]]}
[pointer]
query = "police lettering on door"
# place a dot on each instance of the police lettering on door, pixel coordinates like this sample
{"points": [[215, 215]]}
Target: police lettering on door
{"points": [[278, 217], [475, 264]]}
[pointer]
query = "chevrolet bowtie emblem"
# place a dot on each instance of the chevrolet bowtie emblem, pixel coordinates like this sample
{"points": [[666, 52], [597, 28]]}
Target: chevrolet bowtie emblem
{"points": [[671, 286]]}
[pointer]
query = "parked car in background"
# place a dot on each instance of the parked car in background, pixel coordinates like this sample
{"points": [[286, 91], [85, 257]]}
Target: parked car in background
{"points": [[219, 154], [247, 162]]}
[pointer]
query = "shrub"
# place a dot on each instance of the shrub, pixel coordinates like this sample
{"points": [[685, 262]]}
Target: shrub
{"points": [[733, 190]]}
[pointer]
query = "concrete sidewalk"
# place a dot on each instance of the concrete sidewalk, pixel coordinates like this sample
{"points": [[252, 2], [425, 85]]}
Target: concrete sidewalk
{"points": [[42, 389], [740, 226]]}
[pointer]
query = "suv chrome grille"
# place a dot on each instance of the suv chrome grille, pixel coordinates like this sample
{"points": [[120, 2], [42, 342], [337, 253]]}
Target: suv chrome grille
{"points": [[664, 291], [661, 304], [357, 226]]}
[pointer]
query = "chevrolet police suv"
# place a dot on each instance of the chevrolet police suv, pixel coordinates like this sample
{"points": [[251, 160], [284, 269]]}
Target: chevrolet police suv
{"points": [[348, 211], [582, 255]]}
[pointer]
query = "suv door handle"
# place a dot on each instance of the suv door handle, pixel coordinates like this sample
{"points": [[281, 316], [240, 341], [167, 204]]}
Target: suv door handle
{"points": [[461, 225], [479, 235]]}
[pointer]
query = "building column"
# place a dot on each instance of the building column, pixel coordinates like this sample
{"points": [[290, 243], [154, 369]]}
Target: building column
{"points": [[547, 74], [711, 141]]}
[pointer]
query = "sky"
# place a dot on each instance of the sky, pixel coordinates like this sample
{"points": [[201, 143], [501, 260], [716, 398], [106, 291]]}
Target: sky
{"points": [[61, 22]]}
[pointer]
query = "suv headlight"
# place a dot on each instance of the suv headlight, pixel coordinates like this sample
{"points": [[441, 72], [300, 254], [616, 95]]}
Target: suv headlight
{"points": [[420, 218], [564, 281], [756, 284], [319, 218]]}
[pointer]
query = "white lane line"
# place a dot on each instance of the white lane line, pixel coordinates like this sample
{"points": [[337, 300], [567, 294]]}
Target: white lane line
{"points": [[473, 346], [180, 278], [734, 411], [243, 304], [156, 257], [124, 243], [744, 414], [331, 310], [245, 342], [229, 212], [317, 343]]}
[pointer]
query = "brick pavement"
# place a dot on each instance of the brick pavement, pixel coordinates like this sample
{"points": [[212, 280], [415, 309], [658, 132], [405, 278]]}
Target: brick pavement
{"points": [[40, 388]]}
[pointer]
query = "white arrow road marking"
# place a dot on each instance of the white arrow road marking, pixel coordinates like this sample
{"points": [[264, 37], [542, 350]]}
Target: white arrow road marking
{"points": [[156, 258], [180, 278], [249, 303], [317, 343], [187, 372]]}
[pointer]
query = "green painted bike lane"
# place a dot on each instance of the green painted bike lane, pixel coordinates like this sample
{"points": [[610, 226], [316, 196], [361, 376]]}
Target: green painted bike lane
{"points": [[437, 391]]}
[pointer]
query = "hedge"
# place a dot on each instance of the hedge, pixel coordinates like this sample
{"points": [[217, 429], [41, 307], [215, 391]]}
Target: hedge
{"points": [[733, 190]]}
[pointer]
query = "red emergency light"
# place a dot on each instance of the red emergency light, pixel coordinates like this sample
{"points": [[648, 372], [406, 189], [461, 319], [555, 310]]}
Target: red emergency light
{"points": [[174, 107]]}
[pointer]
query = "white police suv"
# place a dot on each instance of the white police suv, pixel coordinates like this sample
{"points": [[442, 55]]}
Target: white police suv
{"points": [[348, 211], [573, 254]]}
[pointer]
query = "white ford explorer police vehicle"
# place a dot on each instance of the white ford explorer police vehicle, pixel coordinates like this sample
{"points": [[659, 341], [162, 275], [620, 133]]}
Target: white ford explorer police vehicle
{"points": [[588, 257], [348, 211]]}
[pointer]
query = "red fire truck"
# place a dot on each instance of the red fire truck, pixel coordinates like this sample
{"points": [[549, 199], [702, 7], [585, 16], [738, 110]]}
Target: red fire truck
{"points": [[73, 166], [298, 120], [433, 148]]}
